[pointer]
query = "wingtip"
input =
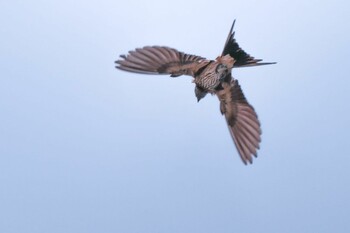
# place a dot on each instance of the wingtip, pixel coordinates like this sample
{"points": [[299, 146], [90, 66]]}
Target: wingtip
{"points": [[247, 161], [117, 64]]}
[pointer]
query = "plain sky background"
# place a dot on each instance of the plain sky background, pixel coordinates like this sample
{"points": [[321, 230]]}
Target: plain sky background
{"points": [[87, 148]]}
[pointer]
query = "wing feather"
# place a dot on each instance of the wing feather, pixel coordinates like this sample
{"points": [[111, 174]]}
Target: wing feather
{"points": [[242, 120], [160, 60]]}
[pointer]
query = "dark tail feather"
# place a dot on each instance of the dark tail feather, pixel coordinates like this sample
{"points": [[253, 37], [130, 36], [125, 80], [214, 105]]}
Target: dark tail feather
{"points": [[242, 58], [257, 63]]}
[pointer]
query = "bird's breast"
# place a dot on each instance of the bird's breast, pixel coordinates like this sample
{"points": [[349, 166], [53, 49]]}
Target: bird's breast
{"points": [[208, 79]]}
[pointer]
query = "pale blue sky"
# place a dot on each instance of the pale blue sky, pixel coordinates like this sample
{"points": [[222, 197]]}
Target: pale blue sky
{"points": [[87, 148]]}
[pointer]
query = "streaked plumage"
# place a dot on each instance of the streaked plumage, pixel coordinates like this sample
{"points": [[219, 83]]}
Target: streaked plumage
{"points": [[210, 76]]}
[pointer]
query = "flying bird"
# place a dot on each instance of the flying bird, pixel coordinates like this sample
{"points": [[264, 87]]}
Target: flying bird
{"points": [[209, 76]]}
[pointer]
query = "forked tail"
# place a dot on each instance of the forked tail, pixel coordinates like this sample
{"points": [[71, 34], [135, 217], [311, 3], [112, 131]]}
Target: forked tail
{"points": [[242, 58]]}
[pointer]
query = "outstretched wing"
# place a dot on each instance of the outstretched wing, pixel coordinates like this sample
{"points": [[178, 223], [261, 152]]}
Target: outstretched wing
{"points": [[241, 119], [241, 57], [160, 60]]}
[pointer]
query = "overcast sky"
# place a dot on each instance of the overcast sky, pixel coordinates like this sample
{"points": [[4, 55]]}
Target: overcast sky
{"points": [[88, 148]]}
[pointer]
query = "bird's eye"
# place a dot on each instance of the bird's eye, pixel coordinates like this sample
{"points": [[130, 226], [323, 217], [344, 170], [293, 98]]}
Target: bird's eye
{"points": [[220, 67]]}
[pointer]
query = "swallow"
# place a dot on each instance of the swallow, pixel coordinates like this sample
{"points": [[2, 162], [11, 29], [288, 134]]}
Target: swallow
{"points": [[209, 76]]}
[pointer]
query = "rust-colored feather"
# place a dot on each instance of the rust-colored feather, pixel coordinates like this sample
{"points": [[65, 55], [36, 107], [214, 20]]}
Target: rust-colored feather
{"points": [[160, 60], [242, 120]]}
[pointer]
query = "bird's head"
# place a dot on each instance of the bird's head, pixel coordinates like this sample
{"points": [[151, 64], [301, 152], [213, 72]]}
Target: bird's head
{"points": [[200, 93]]}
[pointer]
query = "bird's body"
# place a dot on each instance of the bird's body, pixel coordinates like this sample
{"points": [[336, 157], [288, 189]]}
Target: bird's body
{"points": [[209, 76], [214, 73]]}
